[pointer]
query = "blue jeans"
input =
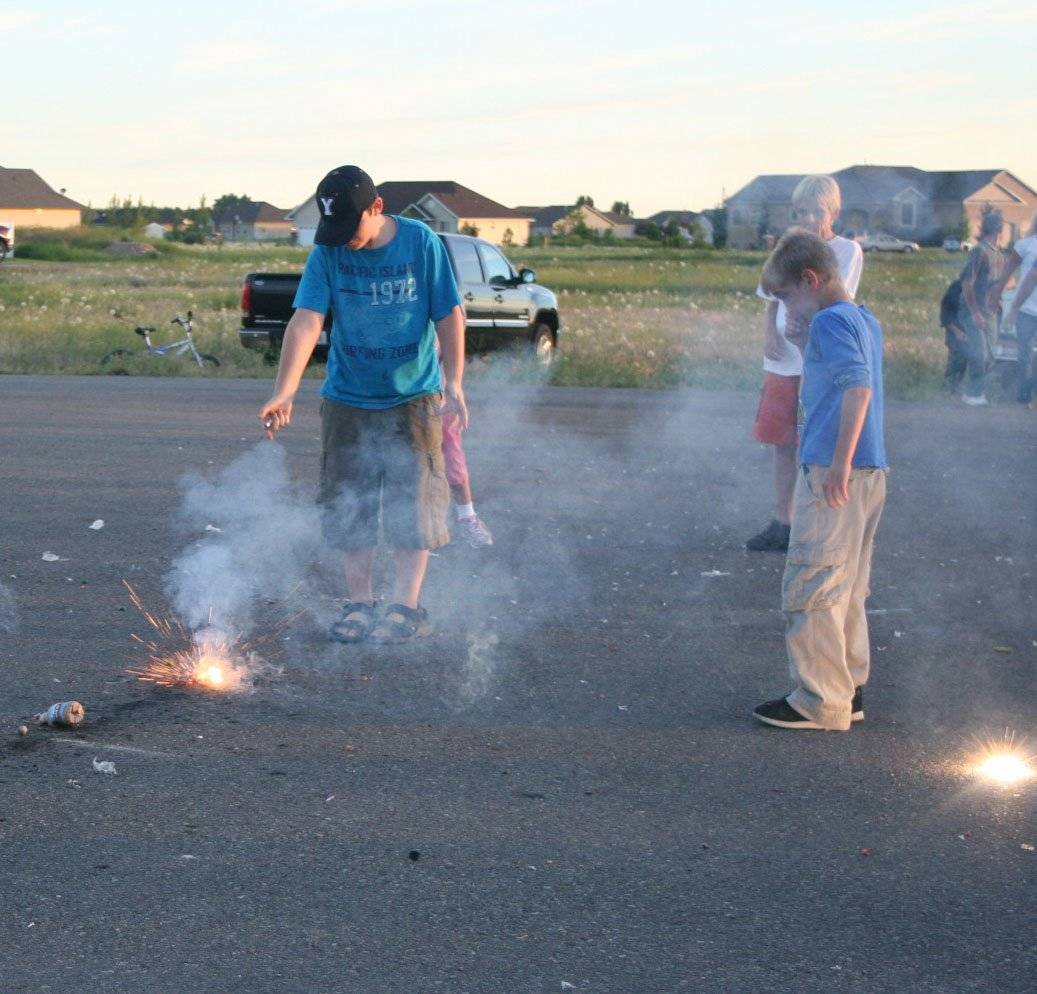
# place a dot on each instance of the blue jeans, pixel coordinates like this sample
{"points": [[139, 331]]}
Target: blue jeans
{"points": [[957, 361], [978, 350], [1025, 330]]}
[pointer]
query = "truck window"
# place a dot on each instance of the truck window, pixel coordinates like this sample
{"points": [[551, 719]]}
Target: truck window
{"points": [[467, 261], [496, 266]]}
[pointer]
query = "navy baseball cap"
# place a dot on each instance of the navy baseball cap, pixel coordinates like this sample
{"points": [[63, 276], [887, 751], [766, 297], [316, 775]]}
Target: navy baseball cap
{"points": [[342, 196]]}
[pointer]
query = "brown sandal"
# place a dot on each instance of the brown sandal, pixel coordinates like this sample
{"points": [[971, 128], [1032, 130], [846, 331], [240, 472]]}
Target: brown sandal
{"points": [[356, 623], [402, 624]]}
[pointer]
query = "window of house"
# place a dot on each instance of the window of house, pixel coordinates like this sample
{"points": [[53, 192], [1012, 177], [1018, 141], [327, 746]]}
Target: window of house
{"points": [[737, 216], [907, 215]]}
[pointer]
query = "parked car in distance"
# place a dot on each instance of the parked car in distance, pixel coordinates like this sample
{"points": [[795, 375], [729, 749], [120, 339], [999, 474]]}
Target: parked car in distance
{"points": [[954, 245], [502, 305], [887, 243], [6, 240]]}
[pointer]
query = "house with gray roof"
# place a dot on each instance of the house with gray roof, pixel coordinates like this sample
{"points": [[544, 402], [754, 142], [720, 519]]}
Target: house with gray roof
{"points": [[915, 204], [444, 205], [256, 221], [688, 224], [559, 218]]}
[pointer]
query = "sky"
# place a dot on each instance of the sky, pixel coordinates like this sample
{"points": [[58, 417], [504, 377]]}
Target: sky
{"points": [[664, 105]]}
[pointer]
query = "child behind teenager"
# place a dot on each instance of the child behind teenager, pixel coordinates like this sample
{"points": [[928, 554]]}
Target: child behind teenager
{"points": [[469, 524], [815, 207], [954, 337], [840, 490]]}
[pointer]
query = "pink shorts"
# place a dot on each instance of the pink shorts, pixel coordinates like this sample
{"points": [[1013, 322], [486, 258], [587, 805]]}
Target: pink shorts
{"points": [[453, 454], [778, 413]]}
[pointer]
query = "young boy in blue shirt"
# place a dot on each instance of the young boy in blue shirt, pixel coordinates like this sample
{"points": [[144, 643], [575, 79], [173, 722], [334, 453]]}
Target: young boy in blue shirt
{"points": [[840, 491], [390, 287]]}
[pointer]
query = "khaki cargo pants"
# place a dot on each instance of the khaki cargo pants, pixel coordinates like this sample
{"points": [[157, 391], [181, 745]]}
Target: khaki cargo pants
{"points": [[823, 592]]}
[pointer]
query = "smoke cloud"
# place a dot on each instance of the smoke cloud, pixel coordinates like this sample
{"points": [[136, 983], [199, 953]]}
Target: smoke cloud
{"points": [[260, 533]]}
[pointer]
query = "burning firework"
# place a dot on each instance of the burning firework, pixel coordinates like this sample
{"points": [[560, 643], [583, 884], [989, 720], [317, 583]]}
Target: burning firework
{"points": [[1004, 761], [204, 666], [212, 660]]}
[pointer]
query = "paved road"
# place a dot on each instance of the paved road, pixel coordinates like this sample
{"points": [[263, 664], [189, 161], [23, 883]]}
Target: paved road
{"points": [[590, 805]]}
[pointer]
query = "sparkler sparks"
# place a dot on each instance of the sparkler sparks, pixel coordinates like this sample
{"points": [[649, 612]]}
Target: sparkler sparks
{"points": [[1004, 762], [214, 661]]}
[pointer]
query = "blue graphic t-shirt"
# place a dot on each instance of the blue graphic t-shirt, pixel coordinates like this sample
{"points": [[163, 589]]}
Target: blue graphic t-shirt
{"points": [[844, 349], [384, 302]]}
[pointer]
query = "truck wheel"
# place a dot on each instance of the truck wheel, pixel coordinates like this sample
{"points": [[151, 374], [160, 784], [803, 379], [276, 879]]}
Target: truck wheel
{"points": [[543, 344]]}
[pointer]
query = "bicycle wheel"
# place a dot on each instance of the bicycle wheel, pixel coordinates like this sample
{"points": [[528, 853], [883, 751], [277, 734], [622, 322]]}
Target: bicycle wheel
{"points": [[116, 354], [208, 360]]}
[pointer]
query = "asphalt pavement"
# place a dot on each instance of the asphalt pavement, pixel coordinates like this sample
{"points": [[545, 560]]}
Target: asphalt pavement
{"points": [[562, 789]]}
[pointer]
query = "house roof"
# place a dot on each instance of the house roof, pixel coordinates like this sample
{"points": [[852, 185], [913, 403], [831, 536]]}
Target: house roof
{"points": [[615, 217], [879, 184], [458, 199], [961, 185], [767, 189], [546, 216], [24, 189], [254, 212], [683, 218], [864, 184]]}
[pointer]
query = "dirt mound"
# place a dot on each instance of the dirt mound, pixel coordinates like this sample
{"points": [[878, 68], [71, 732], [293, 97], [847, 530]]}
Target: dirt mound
{"points": [[131, 248]]}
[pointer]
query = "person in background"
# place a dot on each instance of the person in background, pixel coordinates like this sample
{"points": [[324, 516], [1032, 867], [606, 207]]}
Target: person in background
{"points": [[469, 524], [816, 202], [1022, 313], [981, 279], [954, 338], [840, 491]]}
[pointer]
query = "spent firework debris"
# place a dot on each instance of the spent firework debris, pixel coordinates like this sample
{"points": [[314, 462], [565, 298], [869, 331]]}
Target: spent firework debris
{"points": [[68, 713]]}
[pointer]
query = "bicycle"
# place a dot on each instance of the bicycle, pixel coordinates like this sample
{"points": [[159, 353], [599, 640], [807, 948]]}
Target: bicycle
{"points": [[172, 348]]}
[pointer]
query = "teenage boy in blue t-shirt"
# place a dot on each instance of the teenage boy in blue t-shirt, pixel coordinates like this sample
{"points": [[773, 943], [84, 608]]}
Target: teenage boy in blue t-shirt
{"points": [[389, 285], [839, 495]]}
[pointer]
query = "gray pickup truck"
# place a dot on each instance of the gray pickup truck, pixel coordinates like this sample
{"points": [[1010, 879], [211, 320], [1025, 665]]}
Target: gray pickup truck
{"points": [[502, 306]]}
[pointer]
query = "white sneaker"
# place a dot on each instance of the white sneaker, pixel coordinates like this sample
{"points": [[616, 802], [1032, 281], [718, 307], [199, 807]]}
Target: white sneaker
{"points": [[980, 401], [474, 532]]}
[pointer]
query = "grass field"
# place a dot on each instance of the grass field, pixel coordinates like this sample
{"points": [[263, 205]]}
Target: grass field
{"points": [[632, 316]]}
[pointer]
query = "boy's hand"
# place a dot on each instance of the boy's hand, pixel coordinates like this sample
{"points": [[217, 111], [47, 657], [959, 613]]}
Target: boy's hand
{"points": [[836, 486], [454, 403], [773, 347], [796, 331], [275, 414]]}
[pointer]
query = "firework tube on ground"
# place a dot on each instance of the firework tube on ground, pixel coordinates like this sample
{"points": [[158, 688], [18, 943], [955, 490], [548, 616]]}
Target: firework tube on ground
{"points": [[68, 713]]}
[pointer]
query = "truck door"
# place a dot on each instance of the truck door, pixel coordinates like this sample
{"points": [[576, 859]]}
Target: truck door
{"points": [[511, 301], [475, 292]]}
